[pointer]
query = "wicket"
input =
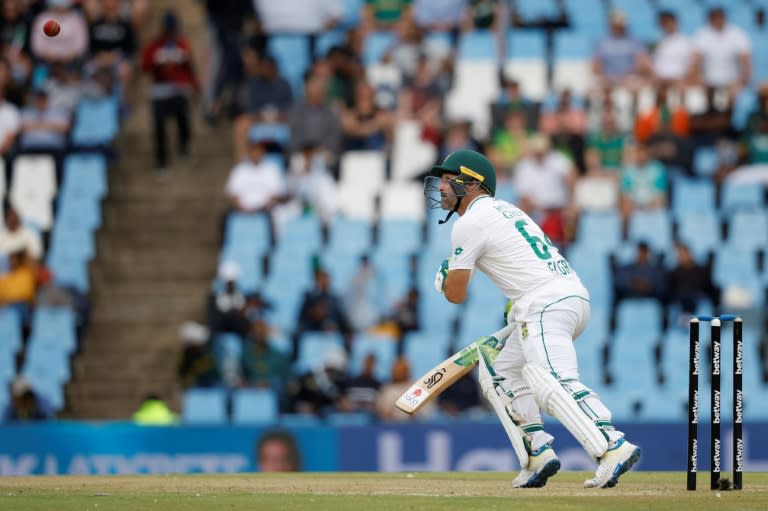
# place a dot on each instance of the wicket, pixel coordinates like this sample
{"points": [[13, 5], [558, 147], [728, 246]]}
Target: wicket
{"points": [[693, 400]]}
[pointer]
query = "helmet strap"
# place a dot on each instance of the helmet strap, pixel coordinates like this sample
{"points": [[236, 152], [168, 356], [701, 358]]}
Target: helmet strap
{"points": [[451, 212]]}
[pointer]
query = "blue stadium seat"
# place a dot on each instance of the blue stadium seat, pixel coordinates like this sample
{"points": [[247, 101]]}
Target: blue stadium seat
{"points": [[572, 45], [633, 349], [743, 106], [254, 406], [594, 270], [85, 174], [48, 354], [7, 368], [734, 266], [477, 45], [475, 326], [654, 227], [314, 347], [748, 229], [536, 10], [436, 314], [700, 231], [53, 322], [641, 19], [252, 230], [342, 267], [691, 195], [737, 195], [587, 17], [278, 133], [399, 236], [76, 242], [250, 266], [383, 347], [292, 55], [10, 330], [204, 406], [301, 235], [69, 271], [600, 232], [639, 315], [78, 211], [525, 45], [705, 161], [96, 122], [422, 354], [298, 420], [351, 235], [336, 419], [376, 45]]}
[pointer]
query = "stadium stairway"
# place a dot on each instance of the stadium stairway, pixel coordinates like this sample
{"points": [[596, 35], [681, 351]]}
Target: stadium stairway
{"points": [[156, 254]]}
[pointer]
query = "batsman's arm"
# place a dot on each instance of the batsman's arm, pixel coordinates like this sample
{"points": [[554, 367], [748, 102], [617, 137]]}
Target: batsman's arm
{"points": [[447, 372]]}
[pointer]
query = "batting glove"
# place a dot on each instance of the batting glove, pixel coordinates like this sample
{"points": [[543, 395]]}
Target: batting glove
{"points": [[442, 273]]}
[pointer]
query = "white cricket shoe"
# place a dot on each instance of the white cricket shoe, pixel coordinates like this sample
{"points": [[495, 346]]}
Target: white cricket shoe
{"points": [[614, 462], [542, 465]]}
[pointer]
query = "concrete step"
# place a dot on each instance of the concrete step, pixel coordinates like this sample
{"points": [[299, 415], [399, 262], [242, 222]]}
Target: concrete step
{"points": [[104, 274], [183, 215]]}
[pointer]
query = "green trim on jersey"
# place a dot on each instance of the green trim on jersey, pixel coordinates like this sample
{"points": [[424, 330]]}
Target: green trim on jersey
{"points": [[541, 327]]}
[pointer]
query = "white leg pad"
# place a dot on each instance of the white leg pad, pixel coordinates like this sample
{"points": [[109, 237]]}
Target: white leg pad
{"points": [[513, 431], [556, 401]]}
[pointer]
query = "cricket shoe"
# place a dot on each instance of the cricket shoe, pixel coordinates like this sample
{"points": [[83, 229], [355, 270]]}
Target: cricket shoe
{"points": [[542, 464], [613, 464]]}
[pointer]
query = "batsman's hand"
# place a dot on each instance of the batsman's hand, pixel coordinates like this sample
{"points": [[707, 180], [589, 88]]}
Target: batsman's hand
{"points": [[442, 273]]}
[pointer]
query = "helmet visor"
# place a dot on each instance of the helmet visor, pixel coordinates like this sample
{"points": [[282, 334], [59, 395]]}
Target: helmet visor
{"points": [[442, 192]]}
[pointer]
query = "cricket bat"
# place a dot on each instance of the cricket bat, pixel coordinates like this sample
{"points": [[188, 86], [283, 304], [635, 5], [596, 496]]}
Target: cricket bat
{"points": [[447, 372]]}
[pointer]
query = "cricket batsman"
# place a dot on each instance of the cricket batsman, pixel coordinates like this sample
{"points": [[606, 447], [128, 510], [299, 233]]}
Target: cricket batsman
{"points": [[549, 307]]}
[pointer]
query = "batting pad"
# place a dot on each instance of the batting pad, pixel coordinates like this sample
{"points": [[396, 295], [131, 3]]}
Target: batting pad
{"points": [[489, 391], [557, 402]]}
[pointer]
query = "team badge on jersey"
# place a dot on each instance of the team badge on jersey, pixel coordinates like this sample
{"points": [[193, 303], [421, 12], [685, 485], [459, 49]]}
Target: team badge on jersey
{"points": [[524, 330], [458, 251]]}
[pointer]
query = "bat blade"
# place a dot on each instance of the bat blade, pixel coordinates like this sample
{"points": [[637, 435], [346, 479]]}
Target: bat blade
{"points": [[447, 372]]}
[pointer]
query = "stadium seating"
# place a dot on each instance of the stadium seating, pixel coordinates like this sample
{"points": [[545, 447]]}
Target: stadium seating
{"points": [[204, 406], [254, 406]]}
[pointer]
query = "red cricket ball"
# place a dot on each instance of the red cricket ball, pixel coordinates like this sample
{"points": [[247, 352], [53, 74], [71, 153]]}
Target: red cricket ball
{"points": [[51, 28]]}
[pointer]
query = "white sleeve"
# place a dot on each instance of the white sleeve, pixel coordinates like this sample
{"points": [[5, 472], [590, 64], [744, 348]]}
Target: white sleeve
{"points": [[278, 180], [467, 245]]}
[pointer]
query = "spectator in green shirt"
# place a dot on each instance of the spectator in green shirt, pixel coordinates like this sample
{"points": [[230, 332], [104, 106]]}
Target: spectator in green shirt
{"points": [[384, 14], [262, 364], [609, 140]]}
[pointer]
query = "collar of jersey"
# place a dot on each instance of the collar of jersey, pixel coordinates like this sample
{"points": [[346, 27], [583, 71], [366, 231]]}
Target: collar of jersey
{"points": [[475, 200]]}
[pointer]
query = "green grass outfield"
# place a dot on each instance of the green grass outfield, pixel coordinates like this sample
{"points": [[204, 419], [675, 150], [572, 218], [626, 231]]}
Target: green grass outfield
{"points": [[370, 492]]}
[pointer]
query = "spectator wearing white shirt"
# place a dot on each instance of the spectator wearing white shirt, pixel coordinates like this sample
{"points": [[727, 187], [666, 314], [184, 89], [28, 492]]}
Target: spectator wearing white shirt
{"points": [[256, 184], [10, 123], [671, 60], [722, 54], [15, 236], [544, 182]]}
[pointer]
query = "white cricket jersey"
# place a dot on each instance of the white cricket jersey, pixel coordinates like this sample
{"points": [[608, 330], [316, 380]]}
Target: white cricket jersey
{"points": [[504, 243]]}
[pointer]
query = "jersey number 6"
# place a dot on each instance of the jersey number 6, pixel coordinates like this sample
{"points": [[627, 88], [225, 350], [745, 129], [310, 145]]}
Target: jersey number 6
{"points": [[540, 248]]}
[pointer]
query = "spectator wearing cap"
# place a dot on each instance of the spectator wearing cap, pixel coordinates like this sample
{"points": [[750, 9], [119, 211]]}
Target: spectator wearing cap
{"points": [[14, 40], [72, 41], [168, 59], [197, 365], [14, 236], [672, 56], [313, 121], [619, 59], [268, 97], [722, 54]]}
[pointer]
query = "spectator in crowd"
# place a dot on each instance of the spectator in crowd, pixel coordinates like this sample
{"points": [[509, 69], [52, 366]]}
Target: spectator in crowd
{"points": [[168, 59], [665, 131], [643, 182], [722, 54], [14, 40], [410, 45], [43, 127], [544, 181], [619, 59], [256, 184], [26, 405], [482, 13], [70, 44], [511, 95], [19, 284], [312, 184], [565, 124], [15, 236], [226, 303], [278, 451], [322, 310], [405, 313], [363, 388], [359, 299], [322, 390], [390, 391], [609, 141], [460, 398], [644, 277], [508, 143], [756, 132], [672, 56], [385, 14], [268, 97], [457, 135], [314, 18], [65, 87], [364, 125], [227, 19], [197, 365], [714, 123], [113, 45], [313, 120], [690, 282], [421, 100], [346, 71], [153, 411], [263, 365]]}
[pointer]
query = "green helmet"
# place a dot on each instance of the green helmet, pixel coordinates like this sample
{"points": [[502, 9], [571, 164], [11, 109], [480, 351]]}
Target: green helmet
{"points": [[469, 163]]}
